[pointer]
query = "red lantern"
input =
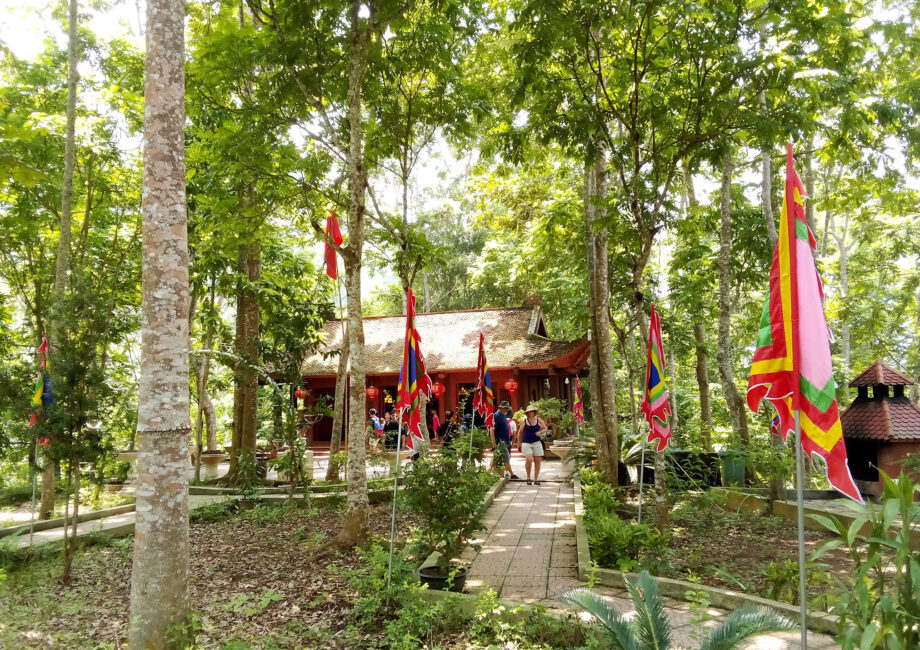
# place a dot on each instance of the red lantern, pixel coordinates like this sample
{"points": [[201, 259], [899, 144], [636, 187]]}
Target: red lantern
{"points": [[437, 389], [372, 392], [511, 385], [300, 393]]}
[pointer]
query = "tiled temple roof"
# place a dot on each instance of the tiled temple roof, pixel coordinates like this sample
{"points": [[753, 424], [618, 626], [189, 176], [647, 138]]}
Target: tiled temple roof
{"points": [[515, 338]]}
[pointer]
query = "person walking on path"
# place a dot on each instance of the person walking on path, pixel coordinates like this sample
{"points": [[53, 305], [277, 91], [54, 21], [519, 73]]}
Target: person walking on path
{"points": [[532, 443], [501, 440]]}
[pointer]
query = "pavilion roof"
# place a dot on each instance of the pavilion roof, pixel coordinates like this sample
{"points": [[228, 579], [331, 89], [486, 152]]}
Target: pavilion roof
{"points": [[515, 337], [885, 418], [879, 373]]}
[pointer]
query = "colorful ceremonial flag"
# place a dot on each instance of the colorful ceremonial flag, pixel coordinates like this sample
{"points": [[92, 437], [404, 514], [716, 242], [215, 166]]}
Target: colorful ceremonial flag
{"points": [[42, 397], [333, 232], [792, 364], [413, 379], [578, 408], [655, 403], [483, 397]]}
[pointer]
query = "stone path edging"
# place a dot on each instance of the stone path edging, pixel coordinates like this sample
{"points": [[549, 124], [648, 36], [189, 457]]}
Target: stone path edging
{"points": [[48, 524], [676, 589]]}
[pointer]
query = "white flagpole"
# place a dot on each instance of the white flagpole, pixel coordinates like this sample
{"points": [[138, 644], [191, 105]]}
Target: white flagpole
{"points": [[800, 499], [641, 472], [395, 486], [32, 465]]}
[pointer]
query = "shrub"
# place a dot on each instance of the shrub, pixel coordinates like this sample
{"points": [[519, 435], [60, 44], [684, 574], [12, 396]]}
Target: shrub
{"points": [[881, 609], [623, 545], [447, 495], [212, 512]]}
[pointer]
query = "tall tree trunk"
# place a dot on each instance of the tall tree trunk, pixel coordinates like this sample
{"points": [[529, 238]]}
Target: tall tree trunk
{"points": [[207, 414], [723, 356], [62, 260], [332, 470], [354, 528], [702, 381], [699, 336], [603, 376], [766, 198], [246, 386], [915, 388], [159, 577], [766, 190]]}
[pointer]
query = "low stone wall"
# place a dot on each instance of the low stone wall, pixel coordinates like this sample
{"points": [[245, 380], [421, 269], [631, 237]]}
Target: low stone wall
{"points": [[752, 503], [677, 589], [48, 524]]}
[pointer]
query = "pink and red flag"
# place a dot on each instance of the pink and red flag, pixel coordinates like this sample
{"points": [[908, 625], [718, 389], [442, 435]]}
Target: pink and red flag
{"points": [[333, 232], [483, 397], [792, 367], [578, 408], [655, 403], [413, 379]]}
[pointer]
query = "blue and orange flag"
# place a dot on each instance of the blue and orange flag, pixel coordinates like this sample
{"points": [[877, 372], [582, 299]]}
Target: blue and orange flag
{"points": [[484, 398], [578, 408], [655, 403], [792, 367], [413, 378], [42, 397]]}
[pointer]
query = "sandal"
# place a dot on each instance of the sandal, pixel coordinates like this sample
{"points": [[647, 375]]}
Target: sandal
{"points": [[529, 482], [536, 482]]}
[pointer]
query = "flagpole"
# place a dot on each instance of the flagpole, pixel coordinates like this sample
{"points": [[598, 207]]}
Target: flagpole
{"points": [[32, 464], [641, 472], [800, 502], [395, 486]]}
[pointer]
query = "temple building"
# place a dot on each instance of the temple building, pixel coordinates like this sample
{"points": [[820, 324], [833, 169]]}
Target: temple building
{"points": [[524, 363], [881, 428]]}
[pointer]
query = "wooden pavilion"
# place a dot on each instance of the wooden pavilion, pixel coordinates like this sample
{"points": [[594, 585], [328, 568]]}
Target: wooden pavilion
{"points": [[881, 428], [517, 347]]}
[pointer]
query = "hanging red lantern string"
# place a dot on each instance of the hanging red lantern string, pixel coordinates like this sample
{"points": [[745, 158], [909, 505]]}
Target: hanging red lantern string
{"points": [[511, 385], [372, 392], [300, 393], [437, 389]]}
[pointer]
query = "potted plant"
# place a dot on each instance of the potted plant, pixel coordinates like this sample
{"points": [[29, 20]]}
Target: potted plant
{"points": [[447, 494], [119, 478]]}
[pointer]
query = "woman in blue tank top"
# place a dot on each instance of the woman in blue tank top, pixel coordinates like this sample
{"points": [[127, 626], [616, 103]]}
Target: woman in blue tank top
{"points": [[531, 443]]}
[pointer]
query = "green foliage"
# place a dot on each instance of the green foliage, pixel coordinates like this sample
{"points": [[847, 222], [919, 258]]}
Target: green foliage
{"points": [[210, 513], [447, 494], [615, 542], [781, 582], [650, 628], [879, 605]]}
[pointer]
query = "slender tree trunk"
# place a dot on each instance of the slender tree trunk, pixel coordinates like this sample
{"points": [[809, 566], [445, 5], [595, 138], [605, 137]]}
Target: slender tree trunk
{"points": [[206, 411], [845, 296], [332, 471], [159, 578], [723, 355], [246, 393], [915, 388], [604, 377], [766, 190], [672, 366], [702, 381], [62, 260], [354, 528], [699, 335]]}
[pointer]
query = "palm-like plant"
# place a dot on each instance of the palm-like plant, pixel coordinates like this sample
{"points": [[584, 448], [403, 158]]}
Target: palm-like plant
{"points": [[650, 630]]}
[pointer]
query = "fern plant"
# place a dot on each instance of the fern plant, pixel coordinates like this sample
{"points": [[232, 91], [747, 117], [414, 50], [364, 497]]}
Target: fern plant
{"points": [[651, 630]]}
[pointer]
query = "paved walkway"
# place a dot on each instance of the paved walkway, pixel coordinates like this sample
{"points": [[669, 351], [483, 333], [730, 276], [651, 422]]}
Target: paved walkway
{"points": [[528, 555]]}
